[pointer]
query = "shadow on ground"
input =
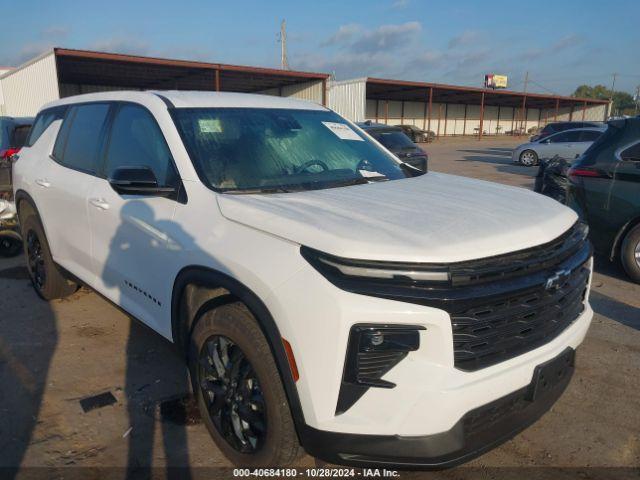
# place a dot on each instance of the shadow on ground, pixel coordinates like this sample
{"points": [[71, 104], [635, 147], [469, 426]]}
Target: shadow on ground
{"points": [[27, 345]]}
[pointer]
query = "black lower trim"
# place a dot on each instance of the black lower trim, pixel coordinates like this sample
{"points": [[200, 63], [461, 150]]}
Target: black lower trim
{"points": [[478, 431]]}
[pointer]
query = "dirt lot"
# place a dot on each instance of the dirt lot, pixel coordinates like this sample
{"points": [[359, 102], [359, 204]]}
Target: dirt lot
{"points": [[53, 355]]}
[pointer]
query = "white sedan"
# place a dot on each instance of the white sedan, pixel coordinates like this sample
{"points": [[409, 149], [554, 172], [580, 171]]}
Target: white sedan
{"points": [[568, 144]]}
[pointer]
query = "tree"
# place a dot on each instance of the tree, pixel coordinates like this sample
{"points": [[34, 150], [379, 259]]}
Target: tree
{"points": [[623, 103]]}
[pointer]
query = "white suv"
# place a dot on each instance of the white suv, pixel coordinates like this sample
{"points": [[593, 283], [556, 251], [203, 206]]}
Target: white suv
{"points": [[325, 294]]}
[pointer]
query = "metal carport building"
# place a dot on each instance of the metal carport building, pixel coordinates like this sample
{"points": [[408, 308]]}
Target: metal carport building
{"points": [[62, 72], [456, 110]]}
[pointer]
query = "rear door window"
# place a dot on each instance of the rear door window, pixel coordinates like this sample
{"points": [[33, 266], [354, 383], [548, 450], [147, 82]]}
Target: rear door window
{"points": [[589, 136], [80, 139], [573, 136], [43, 120], [559, 138]]}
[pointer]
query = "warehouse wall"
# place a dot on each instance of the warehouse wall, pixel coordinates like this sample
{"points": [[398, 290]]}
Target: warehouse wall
{"points": [[310, 91], [593, 113], [69, 89], [29, 87], [2, 108], [449, 119], [347, 98]]}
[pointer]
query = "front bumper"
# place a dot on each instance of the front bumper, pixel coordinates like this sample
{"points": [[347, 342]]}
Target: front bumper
{"points": [[475, 433]]}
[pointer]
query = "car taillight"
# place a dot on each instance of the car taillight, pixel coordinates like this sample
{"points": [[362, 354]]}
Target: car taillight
{"points": [[9, 152], [586, 172]]}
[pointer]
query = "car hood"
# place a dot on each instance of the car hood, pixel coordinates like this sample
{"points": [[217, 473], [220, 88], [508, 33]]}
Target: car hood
{"points": [[431, 218], [524, 146]]}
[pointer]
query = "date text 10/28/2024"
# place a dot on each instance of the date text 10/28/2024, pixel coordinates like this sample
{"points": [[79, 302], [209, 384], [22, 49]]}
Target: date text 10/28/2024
{"points": [[315, 472]]}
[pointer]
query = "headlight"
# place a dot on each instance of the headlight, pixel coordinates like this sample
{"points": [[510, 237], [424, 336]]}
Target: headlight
{"points": [[331, 267]]}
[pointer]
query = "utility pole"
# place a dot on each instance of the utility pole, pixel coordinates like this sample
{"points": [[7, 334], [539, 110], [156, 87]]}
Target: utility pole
{"points": [[523, 123], [282, 38], [637, 99], [613, 86]]}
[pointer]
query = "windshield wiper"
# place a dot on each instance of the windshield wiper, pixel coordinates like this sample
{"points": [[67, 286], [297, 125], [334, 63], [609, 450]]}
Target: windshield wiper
{"points": [[241, 191], [360, 181]]}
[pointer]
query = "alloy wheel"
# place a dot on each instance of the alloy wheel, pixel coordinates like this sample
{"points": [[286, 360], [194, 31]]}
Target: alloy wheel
{"points": [[637, 254], [528, 158], [232, 394], [35, 260]]}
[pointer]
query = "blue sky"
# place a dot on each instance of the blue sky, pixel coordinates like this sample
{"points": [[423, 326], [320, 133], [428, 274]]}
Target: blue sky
{"points": [[562, 43]]}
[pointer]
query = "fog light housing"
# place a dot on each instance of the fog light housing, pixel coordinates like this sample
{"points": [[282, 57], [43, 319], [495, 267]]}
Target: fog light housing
{"points": [[372, 351]]}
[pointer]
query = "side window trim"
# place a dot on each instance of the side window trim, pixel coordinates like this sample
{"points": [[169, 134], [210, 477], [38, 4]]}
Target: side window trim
{"points": [[63, 135]]}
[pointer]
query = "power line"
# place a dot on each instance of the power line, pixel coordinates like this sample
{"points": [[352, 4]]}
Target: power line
{"points": [[543, 87]]}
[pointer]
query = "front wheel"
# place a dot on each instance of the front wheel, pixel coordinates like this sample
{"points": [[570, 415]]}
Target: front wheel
{"points": [[239, 390], [46, 277], [529, 158], [630, 254]]}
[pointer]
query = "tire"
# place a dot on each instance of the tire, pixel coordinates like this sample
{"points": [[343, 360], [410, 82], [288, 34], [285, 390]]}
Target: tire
{"points": [[10, 246], [630, 254], [46, 277], [270, 439], [528, 158]]}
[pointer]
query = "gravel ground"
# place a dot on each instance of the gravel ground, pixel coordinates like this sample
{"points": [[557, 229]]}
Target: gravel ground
{"points": [[53, 355]]}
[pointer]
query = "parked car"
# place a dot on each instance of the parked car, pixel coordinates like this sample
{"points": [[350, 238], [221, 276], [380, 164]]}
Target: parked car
{"points": [[417, 135], [13, 133], [568, 145], [397, 142], [313, 281], [605, 189], [555, 127]]}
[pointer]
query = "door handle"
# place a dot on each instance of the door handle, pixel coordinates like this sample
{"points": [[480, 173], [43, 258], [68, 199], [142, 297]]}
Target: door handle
{"points": [[43, 182], [99, 203]]}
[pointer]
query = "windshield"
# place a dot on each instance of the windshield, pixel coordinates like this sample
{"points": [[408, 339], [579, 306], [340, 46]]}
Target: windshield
{"points": [[247, 149], [393, 139]]}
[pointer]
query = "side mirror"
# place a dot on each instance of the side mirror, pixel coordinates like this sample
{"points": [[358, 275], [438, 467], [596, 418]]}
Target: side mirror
{"points": [[138, 181], [416, 166]]}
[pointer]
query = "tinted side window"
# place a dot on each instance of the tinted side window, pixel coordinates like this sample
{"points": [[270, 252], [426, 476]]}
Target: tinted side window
{"points": [[43, 120], [83, 137], [20, 135], [559, 138], [573, 136], [631, 154], [136, 140], [589, 136]]}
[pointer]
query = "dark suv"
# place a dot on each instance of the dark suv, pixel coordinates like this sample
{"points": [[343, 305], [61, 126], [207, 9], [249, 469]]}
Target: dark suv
{"points": [[551, 128], [397, 142], [605, 189]]}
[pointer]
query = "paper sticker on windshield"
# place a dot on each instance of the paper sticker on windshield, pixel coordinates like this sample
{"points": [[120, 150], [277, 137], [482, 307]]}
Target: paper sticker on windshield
{"points": [[209, 125], [342, 131]]}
